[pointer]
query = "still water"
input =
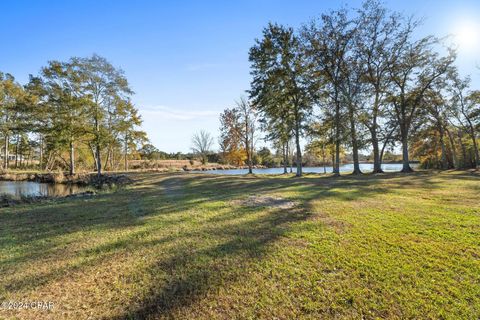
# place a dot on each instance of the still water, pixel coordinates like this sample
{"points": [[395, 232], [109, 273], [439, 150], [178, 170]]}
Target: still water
{"points": [[346, 168], [29, 188]]}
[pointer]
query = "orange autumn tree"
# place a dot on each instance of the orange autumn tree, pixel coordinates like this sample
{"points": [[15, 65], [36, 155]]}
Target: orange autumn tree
{"points": [[232, 150]]}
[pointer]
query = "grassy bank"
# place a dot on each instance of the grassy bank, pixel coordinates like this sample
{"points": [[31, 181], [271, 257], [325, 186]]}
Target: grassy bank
{"points": [[46, 177], [221, 247], [180, 165]]}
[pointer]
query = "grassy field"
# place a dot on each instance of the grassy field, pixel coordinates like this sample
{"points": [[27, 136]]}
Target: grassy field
{"points": [[198, 246]]}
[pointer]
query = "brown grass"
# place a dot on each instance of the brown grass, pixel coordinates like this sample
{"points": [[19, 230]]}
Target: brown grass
{"points": [[185, 246]]}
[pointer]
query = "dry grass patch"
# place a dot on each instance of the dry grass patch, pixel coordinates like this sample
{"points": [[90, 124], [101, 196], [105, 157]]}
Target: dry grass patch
{"points": [[195, 246], [274, 202]]}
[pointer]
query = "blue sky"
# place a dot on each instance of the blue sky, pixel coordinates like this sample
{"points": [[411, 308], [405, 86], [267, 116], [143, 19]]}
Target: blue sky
{"points": [[187, 60]]}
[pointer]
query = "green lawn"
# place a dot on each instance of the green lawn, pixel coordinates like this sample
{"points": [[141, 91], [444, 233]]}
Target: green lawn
{"points": [[199, 246]]}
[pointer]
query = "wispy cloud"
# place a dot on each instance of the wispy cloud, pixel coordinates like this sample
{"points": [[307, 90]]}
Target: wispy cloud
{"points": [[202, 66], [178, 114]]}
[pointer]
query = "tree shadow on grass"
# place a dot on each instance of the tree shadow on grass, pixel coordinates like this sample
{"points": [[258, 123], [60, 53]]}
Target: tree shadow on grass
{"points": [[38, 231], [193, 274], [27, 226], [191, 271]]}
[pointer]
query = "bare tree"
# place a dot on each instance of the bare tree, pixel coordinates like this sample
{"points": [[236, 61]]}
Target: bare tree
{"points": [[202, 142], [248, 121]]}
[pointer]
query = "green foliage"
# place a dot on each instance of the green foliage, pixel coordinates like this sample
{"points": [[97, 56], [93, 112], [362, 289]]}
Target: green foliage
{"points": [[266, 158], [279, 89], [71, 106], [368, 77]]}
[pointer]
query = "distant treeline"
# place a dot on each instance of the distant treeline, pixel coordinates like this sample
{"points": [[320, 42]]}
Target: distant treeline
{"points": [[263, 156]]}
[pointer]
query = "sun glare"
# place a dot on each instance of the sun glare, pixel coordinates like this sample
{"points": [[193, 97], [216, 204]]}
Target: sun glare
{"points": [[467, 36]]}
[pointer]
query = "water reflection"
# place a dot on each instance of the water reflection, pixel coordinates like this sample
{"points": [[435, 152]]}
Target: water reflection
{"points": [[29, 188], [346, 168]]}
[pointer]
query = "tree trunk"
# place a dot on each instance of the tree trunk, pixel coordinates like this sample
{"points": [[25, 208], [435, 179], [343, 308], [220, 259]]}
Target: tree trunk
{"points": [[443, 158], [99, 161], [290, 161], [72, 159], [336, 166], [5, 153], [436, 163], [126, 152], [382, 153], [324, 159], [107, 159], [97, 142], [475, 146], [247, 146], [285, 157], [377, 161], [29, 157], [385, 143], [462, 147], [16, 151], [41, 153], [333, 160], [405, 160], [113, 163], [353, 134], [94, 155], [249, 160], [452, 146], [299, 150]]}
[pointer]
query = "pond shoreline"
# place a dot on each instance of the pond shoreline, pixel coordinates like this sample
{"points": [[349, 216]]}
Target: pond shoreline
{"points": [[84, 179], [344, 168], [7, 200], [231, 167], [29, 188], [221, 167]]}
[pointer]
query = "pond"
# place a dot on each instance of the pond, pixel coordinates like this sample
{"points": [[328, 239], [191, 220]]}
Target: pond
{"points": [[346, 168], [18, 189]]}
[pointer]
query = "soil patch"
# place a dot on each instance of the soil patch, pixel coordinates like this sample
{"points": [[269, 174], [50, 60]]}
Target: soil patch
{"points": [[266, 201]]}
